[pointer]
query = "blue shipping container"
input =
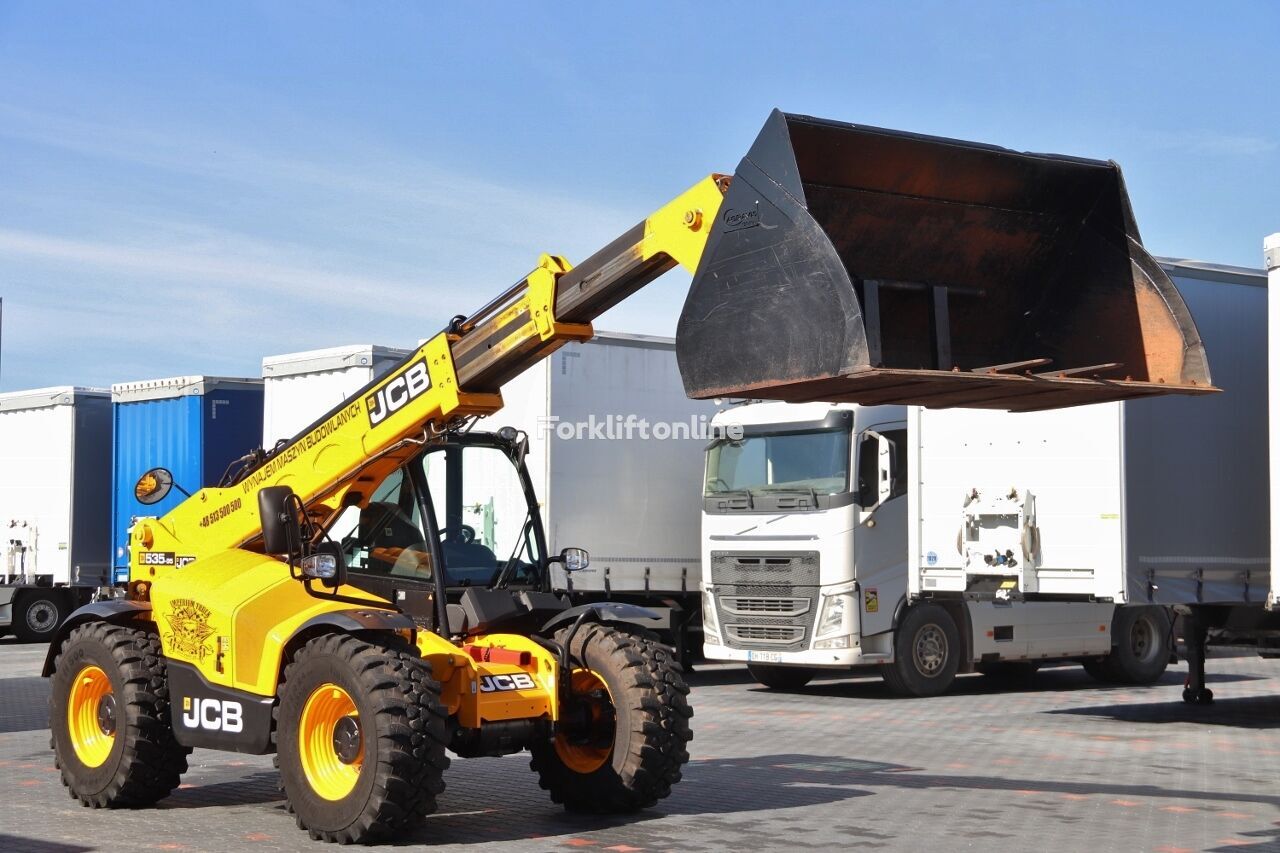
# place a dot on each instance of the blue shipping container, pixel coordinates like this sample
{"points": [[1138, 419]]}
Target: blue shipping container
{"points": [[193, 425]]}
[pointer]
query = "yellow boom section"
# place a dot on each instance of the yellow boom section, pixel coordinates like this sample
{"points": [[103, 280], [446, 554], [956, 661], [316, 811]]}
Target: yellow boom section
{"points": [[458, 373]]}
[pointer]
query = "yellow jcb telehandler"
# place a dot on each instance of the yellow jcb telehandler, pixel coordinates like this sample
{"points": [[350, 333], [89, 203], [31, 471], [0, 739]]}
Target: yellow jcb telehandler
{"points": [[328, 604]]}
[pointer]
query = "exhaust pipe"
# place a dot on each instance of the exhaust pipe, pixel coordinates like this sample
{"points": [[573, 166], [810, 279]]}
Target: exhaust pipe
{"points": [[856, 264]]}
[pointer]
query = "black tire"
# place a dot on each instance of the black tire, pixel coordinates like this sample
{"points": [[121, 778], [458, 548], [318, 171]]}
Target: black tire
{"points": [[644, 749], [401, 751], [1098, 670], [1010, 671], [926, 653], [1139, 646], [145, 762], [781, 677], [38, 613]]}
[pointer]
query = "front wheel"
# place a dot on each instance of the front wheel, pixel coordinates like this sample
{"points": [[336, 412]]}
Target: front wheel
{"points": [[109, 714], [361, 737], [621, 739], [926, 653]]}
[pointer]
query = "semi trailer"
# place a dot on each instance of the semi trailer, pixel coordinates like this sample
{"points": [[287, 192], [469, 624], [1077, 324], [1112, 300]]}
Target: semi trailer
{"points": [[921, 543], [55, 490]]}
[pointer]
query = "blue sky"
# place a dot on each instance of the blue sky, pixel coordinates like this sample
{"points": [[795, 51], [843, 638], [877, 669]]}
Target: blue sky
{"points": [[185, 188]]}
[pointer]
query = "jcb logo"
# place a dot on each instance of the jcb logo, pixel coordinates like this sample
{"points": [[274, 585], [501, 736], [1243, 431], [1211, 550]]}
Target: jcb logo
{"points": [[499, 683], [397, 393], [213, 714]]}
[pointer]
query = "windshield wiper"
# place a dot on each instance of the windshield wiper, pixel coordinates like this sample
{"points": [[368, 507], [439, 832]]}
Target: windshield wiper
{"points": [[732, 494], [807, 491]]}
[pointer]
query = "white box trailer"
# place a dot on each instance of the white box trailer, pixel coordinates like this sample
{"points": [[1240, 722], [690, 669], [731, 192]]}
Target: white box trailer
{"points": [[55, 497], [1158, 501], [615, 450], [302, 386]]}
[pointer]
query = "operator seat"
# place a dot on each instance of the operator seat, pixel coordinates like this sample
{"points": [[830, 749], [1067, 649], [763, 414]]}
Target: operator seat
{"points": [[387, 531]]}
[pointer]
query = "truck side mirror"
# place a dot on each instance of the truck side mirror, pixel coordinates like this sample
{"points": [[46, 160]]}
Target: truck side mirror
{"points": [[281, 526], [875, 473]]}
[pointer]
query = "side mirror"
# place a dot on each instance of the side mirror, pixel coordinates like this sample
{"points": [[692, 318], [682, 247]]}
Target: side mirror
{"points": [[573, 559], [153, 486], [883, 473], [281, 526]]}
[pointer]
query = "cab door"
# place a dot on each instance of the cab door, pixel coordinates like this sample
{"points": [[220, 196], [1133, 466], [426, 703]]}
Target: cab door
{"points": [[880, 534]]}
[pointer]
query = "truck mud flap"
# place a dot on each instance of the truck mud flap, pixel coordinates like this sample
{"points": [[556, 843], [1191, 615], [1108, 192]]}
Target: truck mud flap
{"points": [[854, 264]]}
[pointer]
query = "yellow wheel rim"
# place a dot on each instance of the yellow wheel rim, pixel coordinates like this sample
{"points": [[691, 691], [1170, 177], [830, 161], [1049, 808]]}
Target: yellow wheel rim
{"points": [[330, 742], [91, 716], [587, 757]]}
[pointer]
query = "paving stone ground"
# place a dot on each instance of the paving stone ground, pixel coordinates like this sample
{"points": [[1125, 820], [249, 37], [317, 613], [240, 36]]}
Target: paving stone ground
{"points": [[1061, 764]]}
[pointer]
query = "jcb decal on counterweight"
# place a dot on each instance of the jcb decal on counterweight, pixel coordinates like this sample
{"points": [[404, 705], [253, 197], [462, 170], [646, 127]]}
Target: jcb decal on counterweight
{"points": [[189, 629], [397, 392]]}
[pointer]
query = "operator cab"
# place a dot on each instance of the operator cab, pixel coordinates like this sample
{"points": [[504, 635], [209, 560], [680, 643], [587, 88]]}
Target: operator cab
{"points": [[466, 506]]}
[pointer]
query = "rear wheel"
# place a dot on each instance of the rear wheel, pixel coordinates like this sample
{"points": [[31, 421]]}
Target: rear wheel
{"points": [[1140, 647], [361, 737], [781, 677], [38, 613], [621, 740], [926, 653], [109, 714]]}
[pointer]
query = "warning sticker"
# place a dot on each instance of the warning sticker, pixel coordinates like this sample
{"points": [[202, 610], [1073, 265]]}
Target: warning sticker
{"points": [[871, 600]]}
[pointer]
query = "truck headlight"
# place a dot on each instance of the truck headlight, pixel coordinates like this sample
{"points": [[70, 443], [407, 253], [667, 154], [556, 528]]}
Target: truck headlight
{"points": [[710, 630], [841, 642], [836, 606]]}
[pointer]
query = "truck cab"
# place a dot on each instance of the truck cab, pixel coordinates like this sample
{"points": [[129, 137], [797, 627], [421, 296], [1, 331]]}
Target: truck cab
{"points": [[804, 534]]}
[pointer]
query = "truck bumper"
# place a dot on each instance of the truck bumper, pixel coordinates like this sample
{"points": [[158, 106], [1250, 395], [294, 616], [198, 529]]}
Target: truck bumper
{"points": [[833, 658]]}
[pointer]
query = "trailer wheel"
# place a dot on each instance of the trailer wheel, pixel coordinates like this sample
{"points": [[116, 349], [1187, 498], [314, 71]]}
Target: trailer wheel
{"points": [[781, 677], [926, 653], [361, 738], [38, 613], [1140, 650], [109, 716], [621, 740]]}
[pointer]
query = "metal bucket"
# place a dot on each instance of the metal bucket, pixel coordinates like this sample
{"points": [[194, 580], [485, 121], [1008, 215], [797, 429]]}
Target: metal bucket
{"points": [[855, 264]]}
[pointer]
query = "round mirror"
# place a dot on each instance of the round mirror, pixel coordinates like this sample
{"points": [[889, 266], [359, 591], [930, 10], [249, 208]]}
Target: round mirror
{"points": [[153, 486]]}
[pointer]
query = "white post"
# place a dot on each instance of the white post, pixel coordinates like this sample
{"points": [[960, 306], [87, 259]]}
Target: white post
{"points": [[1271, 254]]}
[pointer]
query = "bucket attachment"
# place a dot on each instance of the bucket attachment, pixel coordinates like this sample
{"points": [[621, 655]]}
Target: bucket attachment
{"points": [[855, 264]]}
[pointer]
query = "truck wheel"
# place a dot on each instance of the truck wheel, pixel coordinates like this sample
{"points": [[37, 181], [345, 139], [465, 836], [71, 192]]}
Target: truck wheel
{"points": [[781, 677], [926, 653], [621, 740], [1140, 650], [109, 714], [37, 614], [360, 738]]}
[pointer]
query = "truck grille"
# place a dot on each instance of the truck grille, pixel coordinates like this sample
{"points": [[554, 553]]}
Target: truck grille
{"points": [[771, 634], [766, 599], [790, 568], [739, 605]]}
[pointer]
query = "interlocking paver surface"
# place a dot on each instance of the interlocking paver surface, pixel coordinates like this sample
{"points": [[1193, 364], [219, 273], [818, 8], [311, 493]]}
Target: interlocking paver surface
{"points": [[1061, 764]]}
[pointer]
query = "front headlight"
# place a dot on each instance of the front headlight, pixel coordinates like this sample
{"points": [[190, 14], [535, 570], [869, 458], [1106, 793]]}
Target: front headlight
{"points": [[836, 606], [710, 630]]}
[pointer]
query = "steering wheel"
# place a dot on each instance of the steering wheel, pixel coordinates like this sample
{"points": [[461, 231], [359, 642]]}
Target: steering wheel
{"points": [[466, 534]]}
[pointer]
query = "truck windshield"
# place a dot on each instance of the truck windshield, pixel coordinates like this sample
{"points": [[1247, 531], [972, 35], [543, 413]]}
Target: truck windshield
{"points": [[814, 461]]}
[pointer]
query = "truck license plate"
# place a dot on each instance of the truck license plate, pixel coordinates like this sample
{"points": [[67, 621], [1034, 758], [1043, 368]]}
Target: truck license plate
{"points": [[765, 657]]}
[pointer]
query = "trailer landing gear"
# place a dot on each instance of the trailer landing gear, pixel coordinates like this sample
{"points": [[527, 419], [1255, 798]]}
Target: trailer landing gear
{"points": [[1197, 634]]}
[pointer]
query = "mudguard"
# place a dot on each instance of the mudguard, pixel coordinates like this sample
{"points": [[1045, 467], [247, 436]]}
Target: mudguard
{"points": [[605, 611], [116, 611], [353, 621]]}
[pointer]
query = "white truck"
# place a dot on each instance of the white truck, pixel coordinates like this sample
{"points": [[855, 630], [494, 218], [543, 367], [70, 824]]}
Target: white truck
{"points": [[929, 542], [55, 500], [615, 453]]}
